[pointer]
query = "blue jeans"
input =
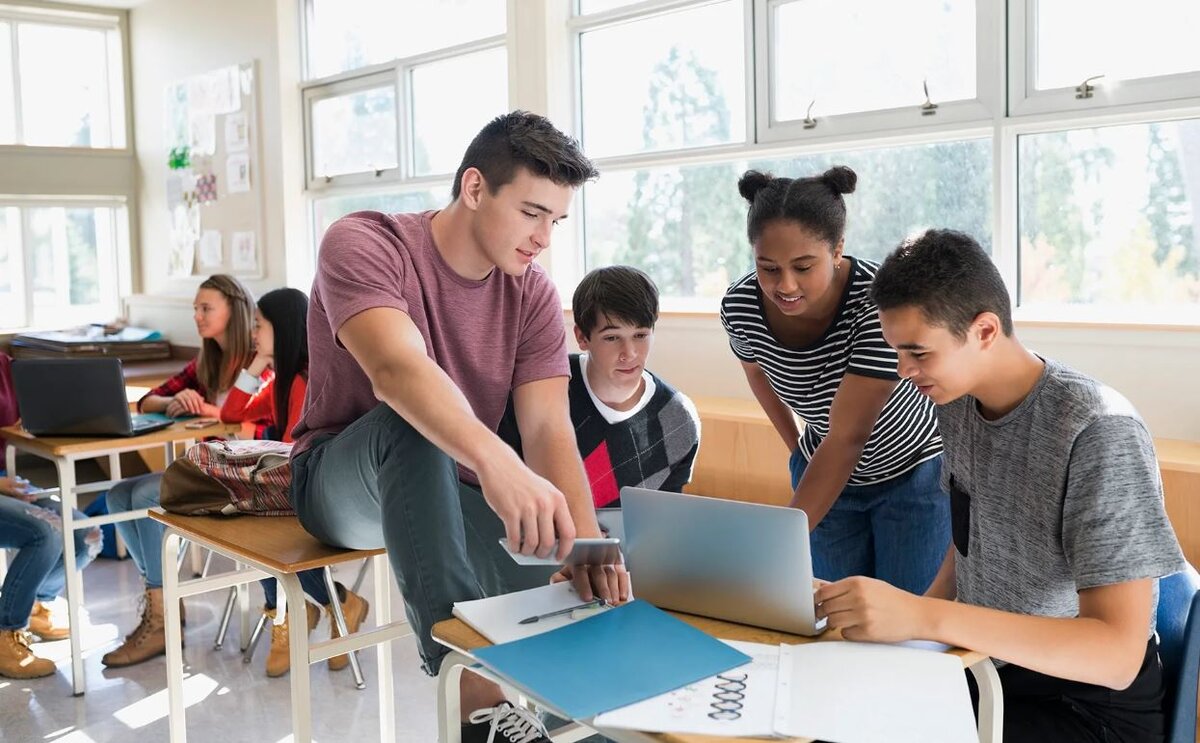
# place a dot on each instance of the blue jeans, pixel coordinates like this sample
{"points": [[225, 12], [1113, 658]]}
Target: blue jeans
{"points": [[380, 483], [143, 537], [37, 572], [897, 531], [312, 581]]}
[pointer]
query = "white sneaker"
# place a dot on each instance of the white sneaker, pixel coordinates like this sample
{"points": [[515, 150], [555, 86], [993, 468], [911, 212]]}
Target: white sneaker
{"points": [[504, 723]]}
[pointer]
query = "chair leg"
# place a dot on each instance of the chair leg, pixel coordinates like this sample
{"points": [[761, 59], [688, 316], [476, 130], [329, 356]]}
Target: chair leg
{"points": [[340, 621], [224, 627], [248, 653], [362, 573], [207, 564]]}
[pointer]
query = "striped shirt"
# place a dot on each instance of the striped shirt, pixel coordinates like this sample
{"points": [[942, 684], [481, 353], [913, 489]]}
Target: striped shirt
{"points": [[806, 379]]}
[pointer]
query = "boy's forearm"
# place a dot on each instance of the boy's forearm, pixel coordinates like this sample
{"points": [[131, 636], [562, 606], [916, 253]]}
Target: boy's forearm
{"points": [[554, 456], [1079, 649]]}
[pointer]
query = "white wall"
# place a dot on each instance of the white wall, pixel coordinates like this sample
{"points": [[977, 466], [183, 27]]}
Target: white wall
{"points": [[171, 40]]}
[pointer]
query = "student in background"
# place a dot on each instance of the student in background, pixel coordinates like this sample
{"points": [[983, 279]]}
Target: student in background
{"points": [[223, 312], [632, 428], [1060, 531], [866, 468], [268, 396], [31, 524]]}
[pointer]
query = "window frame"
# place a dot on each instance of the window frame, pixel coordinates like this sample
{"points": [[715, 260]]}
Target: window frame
{"points": [[117, 44], [112, 267]]}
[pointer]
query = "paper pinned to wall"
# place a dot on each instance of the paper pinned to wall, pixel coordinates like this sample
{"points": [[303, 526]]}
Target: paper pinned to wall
{"points": [[185, 230], [216, 92], [237, 133], [244, 251], [210, 249], [202, 134], [237, 168]]}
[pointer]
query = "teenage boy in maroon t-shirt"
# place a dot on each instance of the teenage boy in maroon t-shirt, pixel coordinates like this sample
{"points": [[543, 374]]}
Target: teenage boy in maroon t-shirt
{"points": [[419, 328]]}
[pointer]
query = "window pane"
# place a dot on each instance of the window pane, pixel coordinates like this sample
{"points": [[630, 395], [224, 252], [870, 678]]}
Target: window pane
{"points": [[903, 191], [443, 125], [12, 307], [66, 248], [1108, 216], [864, 65], [355, 133], [8, 122], [1077, 39], [686, 227], [327, 211], [674, 80], [64, 86], [348, 34]]}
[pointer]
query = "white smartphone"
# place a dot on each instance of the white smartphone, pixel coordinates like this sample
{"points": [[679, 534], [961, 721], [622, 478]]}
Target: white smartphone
{"points": [[593, 551]]}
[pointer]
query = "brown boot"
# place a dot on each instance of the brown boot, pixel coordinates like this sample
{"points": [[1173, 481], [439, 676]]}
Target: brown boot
{"points": [[41, 625], [279, 659], [354, 609], [148, 640], [17, 661]]}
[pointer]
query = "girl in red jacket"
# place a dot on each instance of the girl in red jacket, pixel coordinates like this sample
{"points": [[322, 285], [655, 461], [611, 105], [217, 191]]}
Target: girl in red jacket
{"points": [[271, 404]]}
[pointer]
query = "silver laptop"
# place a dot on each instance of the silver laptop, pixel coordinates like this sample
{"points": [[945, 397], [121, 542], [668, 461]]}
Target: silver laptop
{"points": [[742, 562]]}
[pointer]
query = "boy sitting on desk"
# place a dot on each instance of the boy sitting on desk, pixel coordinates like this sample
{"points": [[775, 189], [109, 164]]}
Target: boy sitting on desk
{"points": [[1056, 507], [632, 428]]}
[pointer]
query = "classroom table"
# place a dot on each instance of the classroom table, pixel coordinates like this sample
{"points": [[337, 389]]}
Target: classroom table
{"points": [[64, 452], [462, 640]]}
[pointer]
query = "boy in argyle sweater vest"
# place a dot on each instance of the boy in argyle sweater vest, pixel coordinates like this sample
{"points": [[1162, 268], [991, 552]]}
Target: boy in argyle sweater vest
{"points": [[633, 429]]}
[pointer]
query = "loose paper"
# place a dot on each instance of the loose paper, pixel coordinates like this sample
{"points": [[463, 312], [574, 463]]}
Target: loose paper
{"points": [[237, 133], [202, 137], [244, 252], [238, 173], [210, 249]]}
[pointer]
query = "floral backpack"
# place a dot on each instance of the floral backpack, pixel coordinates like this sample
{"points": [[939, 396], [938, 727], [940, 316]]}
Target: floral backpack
{"points": [[228, 478]]}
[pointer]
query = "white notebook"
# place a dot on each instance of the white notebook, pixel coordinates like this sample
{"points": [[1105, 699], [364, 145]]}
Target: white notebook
{"points": [[842, 691], [498, 618]]}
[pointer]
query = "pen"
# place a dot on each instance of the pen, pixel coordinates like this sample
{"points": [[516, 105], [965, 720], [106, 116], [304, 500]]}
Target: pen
{"points": [[568, 610]]}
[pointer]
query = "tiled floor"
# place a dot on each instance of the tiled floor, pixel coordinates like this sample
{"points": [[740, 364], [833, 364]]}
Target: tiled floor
{"points": [[227, 701]]}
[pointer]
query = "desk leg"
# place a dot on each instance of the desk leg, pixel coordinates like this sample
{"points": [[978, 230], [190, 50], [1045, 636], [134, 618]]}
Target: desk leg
{"points": [[449, 704], [176, 722], [243, 602], [297, 615], [991, 702], [383, 616], [66, 484]]}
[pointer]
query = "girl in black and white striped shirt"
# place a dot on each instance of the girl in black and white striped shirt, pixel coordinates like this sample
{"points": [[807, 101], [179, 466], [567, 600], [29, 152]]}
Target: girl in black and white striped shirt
{"points": [[866, 468]]}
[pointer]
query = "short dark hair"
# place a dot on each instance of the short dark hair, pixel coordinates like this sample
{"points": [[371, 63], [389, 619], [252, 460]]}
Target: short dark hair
{"points": [[948, 276], [618, 292], [815, 202], [524, 140]]}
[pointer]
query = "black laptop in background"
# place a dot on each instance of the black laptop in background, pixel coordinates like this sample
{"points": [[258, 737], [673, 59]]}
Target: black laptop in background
{"points": [[77, 397]]}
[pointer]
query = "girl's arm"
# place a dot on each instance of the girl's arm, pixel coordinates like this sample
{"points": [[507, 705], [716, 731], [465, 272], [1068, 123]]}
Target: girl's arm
{"points": [[778, 411], [157, 399], [856, 407]]}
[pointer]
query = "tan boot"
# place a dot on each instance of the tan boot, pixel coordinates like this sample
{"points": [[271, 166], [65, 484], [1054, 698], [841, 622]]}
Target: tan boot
{"points": [[279, 659], [41, 625], [148, 640], [17, 661], [354, 609]]}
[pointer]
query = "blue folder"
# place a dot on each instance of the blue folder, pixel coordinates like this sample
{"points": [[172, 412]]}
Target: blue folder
{"points": [[616, 658]]}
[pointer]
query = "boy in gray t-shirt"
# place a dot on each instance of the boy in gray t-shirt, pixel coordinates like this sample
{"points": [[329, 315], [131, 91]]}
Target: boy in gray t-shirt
{"points": [[1056, 506]]}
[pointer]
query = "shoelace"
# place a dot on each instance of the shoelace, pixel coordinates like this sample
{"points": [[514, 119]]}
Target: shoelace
{"points": [[516, 724]]}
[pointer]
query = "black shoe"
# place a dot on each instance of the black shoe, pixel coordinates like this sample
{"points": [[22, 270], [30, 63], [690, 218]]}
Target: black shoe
{"points": [[504, 723]]}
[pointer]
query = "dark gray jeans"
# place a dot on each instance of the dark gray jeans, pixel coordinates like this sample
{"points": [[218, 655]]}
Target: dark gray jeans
{"points": [[380, 483]]}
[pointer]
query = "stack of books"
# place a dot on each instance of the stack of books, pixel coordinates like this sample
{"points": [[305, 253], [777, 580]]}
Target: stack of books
{"points": [[128, 344]]}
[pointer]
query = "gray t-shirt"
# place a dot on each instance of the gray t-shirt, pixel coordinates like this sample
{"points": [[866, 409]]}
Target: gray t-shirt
{"points": [[1061, 494]]}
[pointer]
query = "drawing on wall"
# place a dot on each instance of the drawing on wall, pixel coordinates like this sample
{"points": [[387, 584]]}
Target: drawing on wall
{"points": [[237, 177], [185, 230], [245, 253], [210, 250], [206, 188], [237, 132]]}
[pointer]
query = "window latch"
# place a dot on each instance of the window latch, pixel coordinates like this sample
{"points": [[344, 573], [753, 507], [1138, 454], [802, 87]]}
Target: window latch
{"points": [[1086, 89], [809, 121], [928, 108]]}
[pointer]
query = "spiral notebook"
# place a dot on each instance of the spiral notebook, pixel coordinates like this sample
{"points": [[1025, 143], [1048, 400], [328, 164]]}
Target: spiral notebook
{"points": [[819, 690]]}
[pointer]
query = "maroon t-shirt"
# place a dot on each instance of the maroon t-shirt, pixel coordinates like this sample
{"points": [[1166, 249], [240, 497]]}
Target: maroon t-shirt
{"points": [[489, 336]]}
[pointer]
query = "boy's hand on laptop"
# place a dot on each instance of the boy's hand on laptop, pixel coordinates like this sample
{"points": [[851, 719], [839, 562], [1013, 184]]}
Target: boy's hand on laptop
{"points": [[533, 511], [869, 610], [609, 582]]}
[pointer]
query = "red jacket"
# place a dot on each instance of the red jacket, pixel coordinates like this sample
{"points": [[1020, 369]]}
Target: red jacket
{"points": [[260, 407]]}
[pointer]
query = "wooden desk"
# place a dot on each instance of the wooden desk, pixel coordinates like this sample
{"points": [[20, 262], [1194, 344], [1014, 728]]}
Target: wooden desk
{"points": [[64, 452], [462, 641]]}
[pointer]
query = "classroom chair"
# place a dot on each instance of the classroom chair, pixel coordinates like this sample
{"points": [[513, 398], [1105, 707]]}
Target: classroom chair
{"points": [[1178, 630]]}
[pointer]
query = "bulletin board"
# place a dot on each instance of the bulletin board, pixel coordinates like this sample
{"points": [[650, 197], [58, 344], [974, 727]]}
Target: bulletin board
{"points": [[214, 176]]}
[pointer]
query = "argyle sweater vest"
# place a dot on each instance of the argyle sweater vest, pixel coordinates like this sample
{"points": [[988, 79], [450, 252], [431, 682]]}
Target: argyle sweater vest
{"points": [[655, 448]]}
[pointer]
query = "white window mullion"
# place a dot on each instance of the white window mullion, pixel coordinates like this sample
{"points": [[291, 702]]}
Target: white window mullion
{"points": [[18, 123], [404, 121], [27, 264]]}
